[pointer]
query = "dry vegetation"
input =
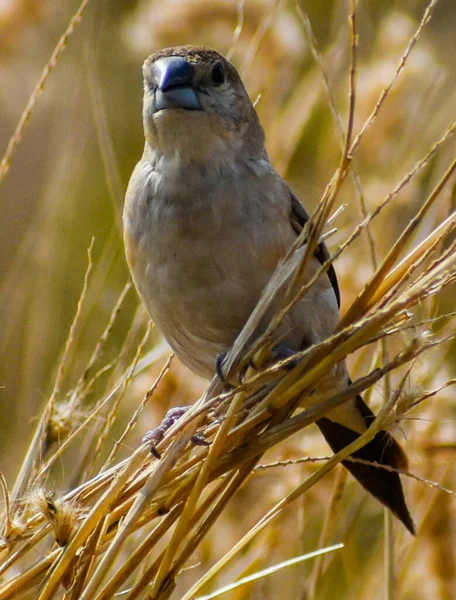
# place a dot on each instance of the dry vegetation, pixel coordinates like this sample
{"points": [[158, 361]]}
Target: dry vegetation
{"points": [[358, 107]]}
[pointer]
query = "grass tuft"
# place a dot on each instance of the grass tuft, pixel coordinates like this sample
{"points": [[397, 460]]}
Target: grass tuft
{"points": [[89, 512]]}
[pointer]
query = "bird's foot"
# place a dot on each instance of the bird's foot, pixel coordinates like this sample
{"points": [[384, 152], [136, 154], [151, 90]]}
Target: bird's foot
{"points": [[282, 352], [155, 436], [219, 360]]}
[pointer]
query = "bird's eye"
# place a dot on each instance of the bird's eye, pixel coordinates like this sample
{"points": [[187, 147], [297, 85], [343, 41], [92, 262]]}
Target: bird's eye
{"points": [[218, 74]]}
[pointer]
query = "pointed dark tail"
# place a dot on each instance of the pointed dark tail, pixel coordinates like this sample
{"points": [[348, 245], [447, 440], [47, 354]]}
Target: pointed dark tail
{"points": [[384, 485]]}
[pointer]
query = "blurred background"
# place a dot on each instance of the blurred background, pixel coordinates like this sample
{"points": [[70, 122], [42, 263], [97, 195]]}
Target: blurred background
{"points": [[66, 185]]}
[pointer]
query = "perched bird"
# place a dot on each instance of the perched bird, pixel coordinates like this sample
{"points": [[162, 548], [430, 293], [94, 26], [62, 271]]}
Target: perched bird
{"points": [[206, 221]]}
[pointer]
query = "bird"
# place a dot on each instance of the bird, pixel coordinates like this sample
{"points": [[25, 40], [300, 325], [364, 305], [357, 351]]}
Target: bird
{"points": [[206, 221]]}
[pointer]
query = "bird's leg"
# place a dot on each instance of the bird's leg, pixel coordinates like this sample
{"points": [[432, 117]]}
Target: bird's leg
{"points": [[155, 436]]}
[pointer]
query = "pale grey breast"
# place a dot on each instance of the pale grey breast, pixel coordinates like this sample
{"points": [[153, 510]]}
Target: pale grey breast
{"points": [[206, 250]]}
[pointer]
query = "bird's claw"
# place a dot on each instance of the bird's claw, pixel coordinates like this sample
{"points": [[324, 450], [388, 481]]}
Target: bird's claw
{"points": [[279, 353], [199, 439], [219, 360], [155, 436], [282, 352]]}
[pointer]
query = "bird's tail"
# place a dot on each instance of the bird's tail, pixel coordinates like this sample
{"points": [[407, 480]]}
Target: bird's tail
{"points": [[383, 449]]}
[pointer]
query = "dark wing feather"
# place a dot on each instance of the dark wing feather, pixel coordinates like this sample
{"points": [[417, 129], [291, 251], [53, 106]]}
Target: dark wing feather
{"points": [[299, 217]]}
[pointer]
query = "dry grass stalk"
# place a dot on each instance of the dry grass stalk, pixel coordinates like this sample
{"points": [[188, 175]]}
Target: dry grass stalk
{"points": [[135, 492], [49, 67], [164, 508]]}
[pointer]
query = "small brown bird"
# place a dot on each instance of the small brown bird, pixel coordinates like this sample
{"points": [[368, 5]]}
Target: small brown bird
{"points": [[206, 221]]}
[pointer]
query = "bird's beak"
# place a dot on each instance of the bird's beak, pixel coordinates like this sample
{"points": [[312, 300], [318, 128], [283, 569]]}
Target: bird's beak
{"points": [[173, 77]]}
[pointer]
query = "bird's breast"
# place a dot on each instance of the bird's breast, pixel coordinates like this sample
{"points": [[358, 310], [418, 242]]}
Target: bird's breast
{"points": [[203, 253]]}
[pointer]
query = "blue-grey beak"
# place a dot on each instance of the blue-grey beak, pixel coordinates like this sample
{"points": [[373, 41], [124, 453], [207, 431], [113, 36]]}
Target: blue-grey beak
{"points": [[173, 76]]}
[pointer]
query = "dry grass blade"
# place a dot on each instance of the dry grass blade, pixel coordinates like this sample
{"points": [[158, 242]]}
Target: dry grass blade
{"points": [[402, 63], [270, 571], [61, 566], [215, 450], [84, 380], [281, 506], [17, 135], [139, 555], [112, 413], [367, 297], [6, 526], [327, 531], [437, 275], [115, 520], [39, 443], [140, 408]]}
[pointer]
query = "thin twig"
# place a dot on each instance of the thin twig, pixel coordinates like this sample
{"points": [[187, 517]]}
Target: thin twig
{"points": [[49, 67]]}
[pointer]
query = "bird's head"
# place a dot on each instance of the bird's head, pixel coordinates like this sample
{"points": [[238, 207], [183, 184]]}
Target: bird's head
{"points": [[196, 107]]}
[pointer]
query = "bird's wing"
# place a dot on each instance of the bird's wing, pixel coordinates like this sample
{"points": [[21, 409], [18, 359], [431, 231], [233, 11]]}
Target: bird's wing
{"points": [[383, 449], [299, 217]]}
